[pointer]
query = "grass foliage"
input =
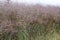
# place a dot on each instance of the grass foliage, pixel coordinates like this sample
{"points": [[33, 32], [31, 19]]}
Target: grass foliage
{"points": [[31, 30]]}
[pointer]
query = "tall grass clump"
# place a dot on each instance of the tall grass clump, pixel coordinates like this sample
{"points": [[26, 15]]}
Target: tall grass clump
{"points": [[35, 30], [29, 22], [9, 29], [47, 29]]}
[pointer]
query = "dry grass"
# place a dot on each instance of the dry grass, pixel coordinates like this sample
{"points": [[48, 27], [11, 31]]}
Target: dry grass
{"points": [[38, 26]]}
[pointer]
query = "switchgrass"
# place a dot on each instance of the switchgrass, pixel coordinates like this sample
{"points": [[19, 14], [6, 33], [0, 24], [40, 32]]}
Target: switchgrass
{"points": [[50, 30]]}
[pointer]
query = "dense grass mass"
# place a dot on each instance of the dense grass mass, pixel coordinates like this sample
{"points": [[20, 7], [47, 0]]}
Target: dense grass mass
{"points": [[26, 30], [29, 23]]}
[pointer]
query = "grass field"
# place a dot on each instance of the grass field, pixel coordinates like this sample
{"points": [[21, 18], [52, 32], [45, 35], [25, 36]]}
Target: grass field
{"points": [[19, 29]]}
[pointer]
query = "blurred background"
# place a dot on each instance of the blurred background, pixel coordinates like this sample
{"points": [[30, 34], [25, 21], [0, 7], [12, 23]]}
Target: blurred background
{"points": [[29, 19]]}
